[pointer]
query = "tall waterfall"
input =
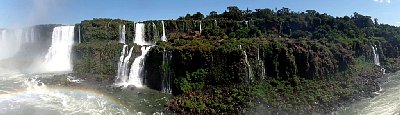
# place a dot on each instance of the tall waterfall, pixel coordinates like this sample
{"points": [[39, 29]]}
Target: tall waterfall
{"points": [[122, 34], [136, 72], [215, 23], [12, 40], [58, 57], [376, 55], [139, 35], [261, 63], [32, 36], [122, 75], [200, 27], [134, 77], [79, 34], [120, 65], [166, 80], [249, 70], [163, 37]]}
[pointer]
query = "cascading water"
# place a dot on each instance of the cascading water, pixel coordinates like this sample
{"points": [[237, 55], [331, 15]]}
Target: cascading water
{"points": [[58, 57], [163, 37], [386, 103], [376, 55], [32, 37], [122, 34], [155, 32], [79, 34], [136, 70], [215, 23], [249, 70], [139, 35], [120, 65], [12, 40], [123, 72], [166, 80], [376, 58], [261, 63], [200, 27]]}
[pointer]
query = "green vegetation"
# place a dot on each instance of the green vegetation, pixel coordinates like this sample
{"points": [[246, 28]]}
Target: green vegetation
{"points": [[303, 62]]}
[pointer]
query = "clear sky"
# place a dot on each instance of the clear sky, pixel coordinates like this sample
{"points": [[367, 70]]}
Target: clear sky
{"points": [[15, 13]]}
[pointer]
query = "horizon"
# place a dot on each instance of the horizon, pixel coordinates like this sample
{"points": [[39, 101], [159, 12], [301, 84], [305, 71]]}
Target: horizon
{"points": [[21, 13]]}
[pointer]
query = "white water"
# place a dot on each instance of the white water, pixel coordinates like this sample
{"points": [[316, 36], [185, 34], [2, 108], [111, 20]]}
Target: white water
{"points": [[23, 94], [163, 37], [139, 35], [136, 72], [261, 63], [122, 34], [12, 40], [79, 34], [120, 65], [249, 70], [58, 57], [387, 103], [123, 72], [166, 80], [200, 27], [376, 55], [32, 37]]}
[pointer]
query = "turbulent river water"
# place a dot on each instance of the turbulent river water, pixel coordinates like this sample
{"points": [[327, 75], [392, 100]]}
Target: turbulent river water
{"points": [[32, 94], [387, 101]]}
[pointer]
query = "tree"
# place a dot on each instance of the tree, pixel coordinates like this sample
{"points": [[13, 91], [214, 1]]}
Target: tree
{"points": [[198, 16]]}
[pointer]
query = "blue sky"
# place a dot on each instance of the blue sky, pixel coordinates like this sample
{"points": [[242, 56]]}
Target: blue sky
{"points": [[15, 13]]}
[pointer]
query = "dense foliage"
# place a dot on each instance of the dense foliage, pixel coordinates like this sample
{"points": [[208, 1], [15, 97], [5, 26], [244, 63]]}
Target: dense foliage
{"points": [[275, 59]]}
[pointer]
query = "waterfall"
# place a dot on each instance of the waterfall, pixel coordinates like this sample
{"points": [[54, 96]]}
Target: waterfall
{"points": [[11, 42], [155, 32], [376, 55], [163, 37], [247, 23], [122, 75], [32, 37], [122, 34], [136, 72], [79, 34], [166, 80], [249, 70], [200, 27], [134, 76], [139, 35], [261, 63], [215, 23], [58, 57], [120, 64], [376, 58]]}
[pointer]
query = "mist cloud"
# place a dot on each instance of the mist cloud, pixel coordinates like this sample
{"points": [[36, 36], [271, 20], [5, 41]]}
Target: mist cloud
{"points": [[42, 10]]}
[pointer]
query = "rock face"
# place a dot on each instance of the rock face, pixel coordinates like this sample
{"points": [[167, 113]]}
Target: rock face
{"points": [[225, 62]]}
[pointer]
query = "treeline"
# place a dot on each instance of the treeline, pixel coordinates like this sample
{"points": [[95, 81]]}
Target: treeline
{"points": [[309, 24]]}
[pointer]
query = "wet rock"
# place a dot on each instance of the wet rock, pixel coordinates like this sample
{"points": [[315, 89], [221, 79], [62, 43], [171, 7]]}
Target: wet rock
{"points": [[131, 87]]}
